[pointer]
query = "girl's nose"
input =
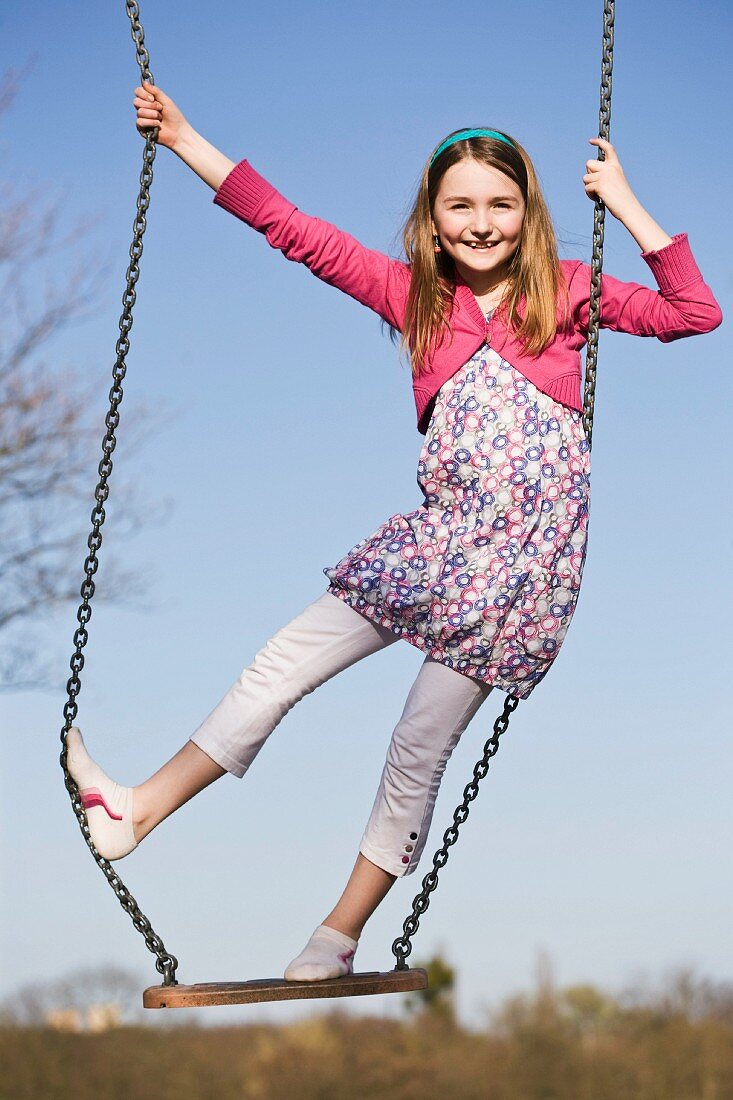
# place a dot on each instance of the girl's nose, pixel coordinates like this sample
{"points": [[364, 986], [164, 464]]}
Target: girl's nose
{"points": [[481, 226]]}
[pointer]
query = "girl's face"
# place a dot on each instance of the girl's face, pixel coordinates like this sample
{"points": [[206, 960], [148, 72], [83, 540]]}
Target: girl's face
{"points": [[479, 206]]}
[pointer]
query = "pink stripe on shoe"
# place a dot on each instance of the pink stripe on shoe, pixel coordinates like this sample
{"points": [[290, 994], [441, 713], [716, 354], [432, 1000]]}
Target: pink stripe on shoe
{"points": [[346, 957], [92, 796]]}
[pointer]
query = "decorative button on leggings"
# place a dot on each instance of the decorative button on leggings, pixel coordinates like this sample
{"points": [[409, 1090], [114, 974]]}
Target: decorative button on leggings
{"points": [[325, 638]]}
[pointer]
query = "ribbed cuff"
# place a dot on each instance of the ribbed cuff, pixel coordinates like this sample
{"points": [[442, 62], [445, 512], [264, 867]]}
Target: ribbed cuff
{"points": [[673, 266], [422, 404], [566, 390], [242, 191]]}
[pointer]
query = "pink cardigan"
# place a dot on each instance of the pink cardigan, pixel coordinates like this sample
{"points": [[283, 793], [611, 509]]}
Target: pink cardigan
{"points": [[683, 306]]}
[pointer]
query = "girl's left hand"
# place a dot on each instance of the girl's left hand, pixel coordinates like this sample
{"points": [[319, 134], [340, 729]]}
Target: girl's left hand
{"points": [[606, 181]]}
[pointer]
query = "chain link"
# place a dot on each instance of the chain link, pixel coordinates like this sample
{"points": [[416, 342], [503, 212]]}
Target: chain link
{"points": [[165, 963], [402, 947]]}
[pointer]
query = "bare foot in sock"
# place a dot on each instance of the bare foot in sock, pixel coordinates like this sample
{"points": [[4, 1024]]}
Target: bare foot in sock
{"points": [[109, 807], [328, 954]]}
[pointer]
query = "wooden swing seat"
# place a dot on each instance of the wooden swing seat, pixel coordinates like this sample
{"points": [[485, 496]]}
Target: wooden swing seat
{"points": [[277, 989]]}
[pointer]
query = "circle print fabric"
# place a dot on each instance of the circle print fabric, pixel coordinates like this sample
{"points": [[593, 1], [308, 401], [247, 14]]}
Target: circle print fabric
{"points": [[484, 576]]}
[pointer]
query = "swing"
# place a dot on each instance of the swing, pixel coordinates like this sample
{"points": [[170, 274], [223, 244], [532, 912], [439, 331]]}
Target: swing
{"points": [[402, 978]]}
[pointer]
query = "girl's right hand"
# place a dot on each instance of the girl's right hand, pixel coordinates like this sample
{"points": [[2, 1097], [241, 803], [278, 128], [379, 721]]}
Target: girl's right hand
{"points": [[157, 110]]}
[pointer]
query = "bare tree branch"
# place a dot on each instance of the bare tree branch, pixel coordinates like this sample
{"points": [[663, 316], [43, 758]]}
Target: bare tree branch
{"points": [[51, 426]]}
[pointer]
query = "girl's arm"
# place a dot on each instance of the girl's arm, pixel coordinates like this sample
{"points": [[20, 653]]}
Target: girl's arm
{"points": [[369, 276], [605, 180], [157, 111], [649, 236], [684, 305], [203, 158]]}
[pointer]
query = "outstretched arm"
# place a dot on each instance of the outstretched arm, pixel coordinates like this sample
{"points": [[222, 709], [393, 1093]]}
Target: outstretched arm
{"points": [[156, 110], [335, 257], [605, 180], [332, 255], [684, 305]]}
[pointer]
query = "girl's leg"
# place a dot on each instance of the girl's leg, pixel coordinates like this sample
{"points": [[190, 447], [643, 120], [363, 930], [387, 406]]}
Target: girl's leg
{"points": [[184, 775], [330, 951], [439, 707], [325, 638], [368, 885]]}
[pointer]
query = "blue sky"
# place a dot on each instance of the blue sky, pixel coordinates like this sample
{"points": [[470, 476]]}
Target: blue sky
{"points": [[286, 433]]}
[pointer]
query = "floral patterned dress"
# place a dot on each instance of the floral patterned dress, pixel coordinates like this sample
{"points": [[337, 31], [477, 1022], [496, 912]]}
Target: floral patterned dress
{"points": [[484, 576]]}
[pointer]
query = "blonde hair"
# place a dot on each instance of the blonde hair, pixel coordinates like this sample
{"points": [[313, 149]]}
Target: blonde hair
{"points": [[534, 269]]}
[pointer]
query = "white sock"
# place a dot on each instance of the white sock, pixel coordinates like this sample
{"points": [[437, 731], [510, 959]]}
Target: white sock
{"points": [[107, 804], [328, 954]]}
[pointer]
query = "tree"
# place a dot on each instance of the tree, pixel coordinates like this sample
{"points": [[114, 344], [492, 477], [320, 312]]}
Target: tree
{"points": [[51, 425]]}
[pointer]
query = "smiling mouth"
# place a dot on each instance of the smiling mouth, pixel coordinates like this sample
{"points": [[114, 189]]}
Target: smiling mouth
{"points": [[476, 247]]}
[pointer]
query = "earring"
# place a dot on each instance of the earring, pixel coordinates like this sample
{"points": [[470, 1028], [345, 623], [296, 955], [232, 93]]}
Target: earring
{"points": [[436, 243]]}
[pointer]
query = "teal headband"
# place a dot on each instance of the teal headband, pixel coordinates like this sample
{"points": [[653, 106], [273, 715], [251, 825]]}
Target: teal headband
{"points": [[463, 134]]}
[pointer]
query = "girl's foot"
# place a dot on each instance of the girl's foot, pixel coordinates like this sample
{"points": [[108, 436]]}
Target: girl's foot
{"points": [[108, 805], [328, 954]]}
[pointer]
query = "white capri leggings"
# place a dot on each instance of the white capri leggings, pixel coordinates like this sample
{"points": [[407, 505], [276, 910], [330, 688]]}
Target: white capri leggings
{"points": [[325, 638]]}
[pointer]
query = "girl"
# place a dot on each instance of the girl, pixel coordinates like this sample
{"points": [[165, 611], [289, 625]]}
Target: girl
{"points": [[484, 575]]}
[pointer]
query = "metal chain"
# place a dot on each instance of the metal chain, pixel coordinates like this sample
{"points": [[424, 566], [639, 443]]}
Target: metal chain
{"points": [[402, 946], [599, 214], [165, 963]]}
